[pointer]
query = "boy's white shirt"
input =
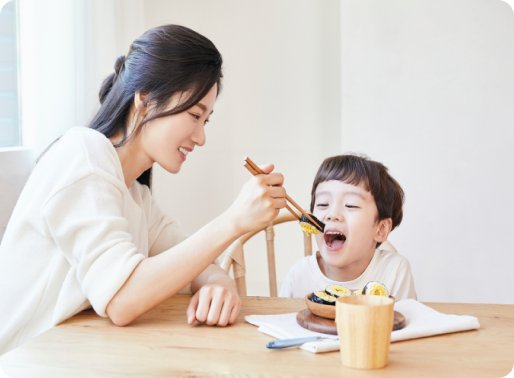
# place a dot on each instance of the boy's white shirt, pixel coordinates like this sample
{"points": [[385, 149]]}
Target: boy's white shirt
{"points": [[74, 237], [389, 268]]}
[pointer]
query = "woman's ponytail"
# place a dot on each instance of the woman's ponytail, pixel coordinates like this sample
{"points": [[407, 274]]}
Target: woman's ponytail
{"points": [[111, 79]]}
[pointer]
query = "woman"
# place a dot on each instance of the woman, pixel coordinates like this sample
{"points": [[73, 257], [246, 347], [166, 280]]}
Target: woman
{"points": [[86, 231]]}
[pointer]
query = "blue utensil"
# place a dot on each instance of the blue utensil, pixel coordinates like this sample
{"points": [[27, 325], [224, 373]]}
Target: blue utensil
{"points": [[279, 344]]}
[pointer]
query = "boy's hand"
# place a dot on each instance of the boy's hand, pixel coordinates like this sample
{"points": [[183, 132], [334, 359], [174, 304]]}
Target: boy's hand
{"points": [[214, 304]]}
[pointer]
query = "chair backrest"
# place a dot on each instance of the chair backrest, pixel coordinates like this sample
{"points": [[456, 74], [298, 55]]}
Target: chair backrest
{"points": [[234, 256]]}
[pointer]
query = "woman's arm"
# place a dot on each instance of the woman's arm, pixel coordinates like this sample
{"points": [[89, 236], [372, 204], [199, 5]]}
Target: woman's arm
{"points": [[158, 278]]}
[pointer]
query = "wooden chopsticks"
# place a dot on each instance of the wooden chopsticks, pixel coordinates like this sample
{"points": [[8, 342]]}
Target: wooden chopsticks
{"points": [[255, 170]]}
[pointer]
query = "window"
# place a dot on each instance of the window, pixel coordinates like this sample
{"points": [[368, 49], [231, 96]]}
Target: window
{"points": [[9, 104]]}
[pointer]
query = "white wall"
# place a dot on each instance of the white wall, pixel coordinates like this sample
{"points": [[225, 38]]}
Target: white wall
{"points": [[280, 104], [67, 48], [428, 89]]}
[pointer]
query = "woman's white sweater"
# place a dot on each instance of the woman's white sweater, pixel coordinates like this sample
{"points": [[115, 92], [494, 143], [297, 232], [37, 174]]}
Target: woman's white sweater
{"points": [[75, 236]]}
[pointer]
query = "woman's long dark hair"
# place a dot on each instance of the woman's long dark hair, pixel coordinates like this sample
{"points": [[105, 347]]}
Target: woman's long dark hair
{"points": [[163, 62]]}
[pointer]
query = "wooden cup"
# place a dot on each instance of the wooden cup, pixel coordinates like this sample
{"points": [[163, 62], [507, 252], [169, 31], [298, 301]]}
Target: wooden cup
{"points": [[364, 324]]}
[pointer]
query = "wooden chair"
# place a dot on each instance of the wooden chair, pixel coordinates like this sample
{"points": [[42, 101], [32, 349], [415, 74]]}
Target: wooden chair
{"points": [[234, 255]]}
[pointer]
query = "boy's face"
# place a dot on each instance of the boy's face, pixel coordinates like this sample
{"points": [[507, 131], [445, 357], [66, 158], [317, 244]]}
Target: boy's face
{"points": [[351, 224]]}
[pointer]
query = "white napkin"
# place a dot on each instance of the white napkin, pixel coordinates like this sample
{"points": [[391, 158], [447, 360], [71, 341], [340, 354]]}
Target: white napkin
{"points": [[421, 321], [284, 326]]}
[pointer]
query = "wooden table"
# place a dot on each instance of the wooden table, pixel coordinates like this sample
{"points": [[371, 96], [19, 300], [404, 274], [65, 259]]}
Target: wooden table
{"points": [[161, 344]]}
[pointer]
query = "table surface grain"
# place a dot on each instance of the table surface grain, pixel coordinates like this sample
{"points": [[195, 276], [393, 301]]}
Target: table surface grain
{"points": [[162, 344]]}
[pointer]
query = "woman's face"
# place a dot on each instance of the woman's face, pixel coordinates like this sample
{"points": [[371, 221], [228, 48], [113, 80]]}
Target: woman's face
{"points": [[168, 140]]}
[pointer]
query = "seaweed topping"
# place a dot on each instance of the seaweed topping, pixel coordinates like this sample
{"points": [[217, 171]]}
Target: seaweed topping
{"points": [[375, 288], [322, 298], [338, 291]]}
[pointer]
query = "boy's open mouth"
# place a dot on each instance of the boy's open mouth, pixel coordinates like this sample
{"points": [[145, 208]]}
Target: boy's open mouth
{"points": [[334, 239]]}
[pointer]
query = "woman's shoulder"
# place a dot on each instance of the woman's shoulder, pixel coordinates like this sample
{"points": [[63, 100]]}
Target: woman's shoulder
{"points": [[92, 151], [80, 142], [82, 134], [79, 153], [97, 148]]}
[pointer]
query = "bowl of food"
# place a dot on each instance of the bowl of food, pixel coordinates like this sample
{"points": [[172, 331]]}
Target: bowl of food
{"points": [[322, 303], [319, 309]]}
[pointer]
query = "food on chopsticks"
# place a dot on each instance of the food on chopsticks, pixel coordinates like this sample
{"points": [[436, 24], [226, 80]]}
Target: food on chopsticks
{"points": [[337, 291], [311, 228], [375, 288], [322, 298]]}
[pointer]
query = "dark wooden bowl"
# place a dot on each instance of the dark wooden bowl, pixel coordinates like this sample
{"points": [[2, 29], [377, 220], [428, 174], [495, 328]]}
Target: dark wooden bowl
{"points": [[322, 310]]}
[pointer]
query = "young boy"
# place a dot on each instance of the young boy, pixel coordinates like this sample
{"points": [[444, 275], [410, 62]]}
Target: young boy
{"points": [[360, 204]]}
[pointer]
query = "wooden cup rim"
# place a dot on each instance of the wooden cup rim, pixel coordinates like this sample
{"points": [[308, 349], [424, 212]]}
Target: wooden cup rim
{"points": [[373, 300]]}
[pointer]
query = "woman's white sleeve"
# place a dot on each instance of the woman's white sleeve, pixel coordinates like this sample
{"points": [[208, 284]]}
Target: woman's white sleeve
{"points": [[164, 232], [86, 221]]}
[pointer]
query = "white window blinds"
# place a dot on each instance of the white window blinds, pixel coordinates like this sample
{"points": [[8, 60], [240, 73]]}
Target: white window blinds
{"points": [[9, 107]]}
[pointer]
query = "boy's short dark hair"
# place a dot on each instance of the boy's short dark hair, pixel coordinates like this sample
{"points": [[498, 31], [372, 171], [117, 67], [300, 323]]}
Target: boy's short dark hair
{"points": [[359, 169]]}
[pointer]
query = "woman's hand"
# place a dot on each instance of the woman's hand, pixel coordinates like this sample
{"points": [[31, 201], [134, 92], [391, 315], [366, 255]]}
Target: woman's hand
{"points": [[214, 304], [217, 302], [259, 201]]}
